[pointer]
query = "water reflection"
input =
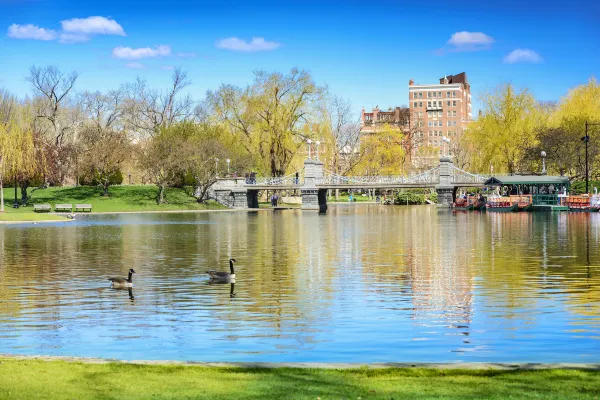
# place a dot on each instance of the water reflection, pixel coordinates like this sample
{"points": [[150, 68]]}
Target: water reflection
{"points": [[366, 283]]}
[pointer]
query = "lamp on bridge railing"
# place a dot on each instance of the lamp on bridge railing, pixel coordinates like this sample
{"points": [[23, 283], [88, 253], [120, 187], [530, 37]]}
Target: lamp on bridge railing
{"points": [[318, 143], [228, 161], [543, 154], [445, 140], [309, 143]]}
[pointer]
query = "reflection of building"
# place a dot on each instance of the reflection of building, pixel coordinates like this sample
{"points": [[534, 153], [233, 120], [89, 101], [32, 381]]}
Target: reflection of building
{"points": [[444, 108]]}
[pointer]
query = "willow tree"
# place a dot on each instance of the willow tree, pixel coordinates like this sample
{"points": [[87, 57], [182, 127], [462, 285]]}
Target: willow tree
{"points": [[17, 152], [382, 152], [268, 116], [505, 129]]}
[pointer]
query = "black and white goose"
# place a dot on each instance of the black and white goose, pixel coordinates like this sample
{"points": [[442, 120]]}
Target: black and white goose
{"points": [[223, 276], [121, 283]]}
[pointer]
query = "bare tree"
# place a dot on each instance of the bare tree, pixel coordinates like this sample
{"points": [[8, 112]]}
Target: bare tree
{"points": [[54, 118], [149, 110], [344, 128]]}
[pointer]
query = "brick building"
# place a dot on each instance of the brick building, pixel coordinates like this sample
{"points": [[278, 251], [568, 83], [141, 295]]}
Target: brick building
{"points": [[438, 110], [398, 117]]}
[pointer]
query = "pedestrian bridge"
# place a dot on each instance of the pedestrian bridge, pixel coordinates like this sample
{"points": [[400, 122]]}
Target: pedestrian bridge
{"points": [[314, 182]]}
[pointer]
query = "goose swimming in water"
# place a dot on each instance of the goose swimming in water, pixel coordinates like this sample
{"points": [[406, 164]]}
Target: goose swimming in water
{"points": [[223, 276], [121, 283]]}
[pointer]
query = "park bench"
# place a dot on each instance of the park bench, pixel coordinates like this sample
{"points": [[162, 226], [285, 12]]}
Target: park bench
{"points": [[41, 208], [63, 207], [83, 207]]}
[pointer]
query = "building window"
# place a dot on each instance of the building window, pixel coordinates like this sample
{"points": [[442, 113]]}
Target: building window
{"points": [[415, 104], [430, 124], [439, 94], [447, 94], [420, 95], [454, 113], [420, 114], [453, 94], [428, 104], [430, 133], [453, 103], [434, 94], [449, 113], [428, 94], [440, 113]]}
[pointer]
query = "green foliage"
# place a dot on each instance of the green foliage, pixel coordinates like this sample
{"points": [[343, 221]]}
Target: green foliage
{"points": [[406, 197], [28, 379], [578, 187], [91, 179]]}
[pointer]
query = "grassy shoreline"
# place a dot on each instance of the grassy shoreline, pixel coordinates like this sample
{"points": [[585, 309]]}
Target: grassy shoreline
{"points": [[124, 198], [31, 378]]}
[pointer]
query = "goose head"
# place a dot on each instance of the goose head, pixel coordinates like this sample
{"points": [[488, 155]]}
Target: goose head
{"points": [[131, 271]]}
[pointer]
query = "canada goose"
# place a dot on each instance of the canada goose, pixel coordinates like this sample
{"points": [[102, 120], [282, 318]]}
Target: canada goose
{"points": [[223, 276], [122, 282]]}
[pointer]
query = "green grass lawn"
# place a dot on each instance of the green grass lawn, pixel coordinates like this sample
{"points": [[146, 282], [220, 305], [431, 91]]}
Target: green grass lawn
{"points": [[33, 379], [344, 198], [122, 198], [31, 216]]}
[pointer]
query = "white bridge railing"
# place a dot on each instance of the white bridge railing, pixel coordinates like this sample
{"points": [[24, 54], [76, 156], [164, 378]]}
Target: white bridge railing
{"points": [[290, 180], [428, 177], [462, 176]]}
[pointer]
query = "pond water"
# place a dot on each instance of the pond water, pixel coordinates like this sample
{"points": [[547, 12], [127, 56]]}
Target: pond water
{"points": [[363, 283]]}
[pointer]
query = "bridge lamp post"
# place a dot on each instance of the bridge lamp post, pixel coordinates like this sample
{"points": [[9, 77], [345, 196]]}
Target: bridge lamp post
{"points": [[217, 167], [318, 143], [228, 161], [309, 143], [543, 154]]}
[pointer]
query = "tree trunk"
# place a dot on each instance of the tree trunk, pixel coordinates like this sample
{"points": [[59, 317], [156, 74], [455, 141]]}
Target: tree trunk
{"points": [[24, 187], [105, 185], [160, 198]]}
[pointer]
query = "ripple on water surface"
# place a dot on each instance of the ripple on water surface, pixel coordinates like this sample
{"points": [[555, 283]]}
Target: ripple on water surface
{"points": [[361, 284]]}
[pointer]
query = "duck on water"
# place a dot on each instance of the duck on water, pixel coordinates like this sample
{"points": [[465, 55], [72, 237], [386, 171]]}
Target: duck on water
{"points": [[223, 276], [121, 283]]}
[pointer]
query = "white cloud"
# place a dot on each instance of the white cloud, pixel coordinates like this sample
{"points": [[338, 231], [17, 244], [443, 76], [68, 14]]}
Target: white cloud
{"points": [[135, 65], [29, 31], [522, 56], [167, 67], [470, 41], [92, 26], [143, 52], [256, 44]]}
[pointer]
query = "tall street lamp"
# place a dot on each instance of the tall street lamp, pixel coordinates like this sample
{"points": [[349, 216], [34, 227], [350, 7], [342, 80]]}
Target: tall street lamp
{"points": [[543, 154], [309, 143], [586, 140]]}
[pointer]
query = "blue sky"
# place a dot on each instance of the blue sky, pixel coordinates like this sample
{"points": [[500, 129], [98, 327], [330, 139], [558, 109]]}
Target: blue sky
{"points": [[363, 51]]}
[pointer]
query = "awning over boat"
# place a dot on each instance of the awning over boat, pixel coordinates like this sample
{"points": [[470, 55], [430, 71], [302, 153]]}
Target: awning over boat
{"points": [[527, 180]]}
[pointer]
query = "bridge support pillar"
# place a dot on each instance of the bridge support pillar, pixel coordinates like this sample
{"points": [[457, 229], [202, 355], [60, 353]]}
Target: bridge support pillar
{"points": [[322, 196], [445, 189], [251, 199], [310, 199], [233, 198], [445, 195]]}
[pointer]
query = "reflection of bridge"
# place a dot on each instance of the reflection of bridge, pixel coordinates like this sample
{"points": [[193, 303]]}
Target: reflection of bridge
{"points": [[243, 192]]}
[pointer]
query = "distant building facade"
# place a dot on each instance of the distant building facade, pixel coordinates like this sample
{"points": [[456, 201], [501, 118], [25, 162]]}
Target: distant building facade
{"points": [[398, 117], [440, 110]]}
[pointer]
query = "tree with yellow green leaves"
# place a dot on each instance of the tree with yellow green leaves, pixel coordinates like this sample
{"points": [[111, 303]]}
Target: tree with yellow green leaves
{"points": [[505, 129], [17, 152], [382, 152], [269, 117]]}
